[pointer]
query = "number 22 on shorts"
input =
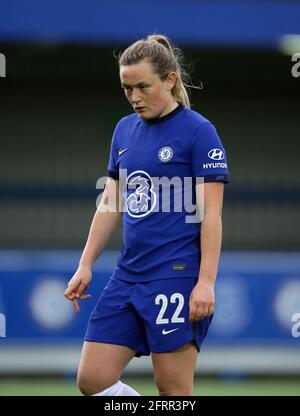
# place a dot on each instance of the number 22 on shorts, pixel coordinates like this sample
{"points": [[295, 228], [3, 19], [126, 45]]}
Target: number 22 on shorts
{"points": [[163, 300]]}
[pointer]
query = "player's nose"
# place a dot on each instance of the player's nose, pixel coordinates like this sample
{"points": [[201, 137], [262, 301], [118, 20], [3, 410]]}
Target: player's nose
{"points": [[135, 97]]}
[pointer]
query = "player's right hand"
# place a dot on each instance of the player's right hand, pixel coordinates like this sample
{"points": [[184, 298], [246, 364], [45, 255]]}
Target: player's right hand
{"points": [[78, 285]]}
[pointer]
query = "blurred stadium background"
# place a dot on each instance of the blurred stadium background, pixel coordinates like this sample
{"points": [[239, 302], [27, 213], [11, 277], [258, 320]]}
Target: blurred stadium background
{"points": [[60, 101]]}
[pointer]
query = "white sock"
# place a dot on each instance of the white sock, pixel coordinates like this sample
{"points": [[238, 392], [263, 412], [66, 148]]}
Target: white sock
{"points": [[110, 391], [118, 389], [127, 391]]}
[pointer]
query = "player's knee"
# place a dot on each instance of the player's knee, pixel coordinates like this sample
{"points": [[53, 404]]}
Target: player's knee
{"points": [[84, 384], [171, 387], [90, 384], [175, 391]]}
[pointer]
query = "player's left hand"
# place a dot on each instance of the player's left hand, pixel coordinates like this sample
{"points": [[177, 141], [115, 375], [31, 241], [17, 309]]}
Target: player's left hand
{"points": [[202, 301]]}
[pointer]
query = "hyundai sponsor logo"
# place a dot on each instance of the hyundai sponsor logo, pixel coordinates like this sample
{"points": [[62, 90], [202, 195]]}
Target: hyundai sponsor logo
{"points": [[216, 154], [214, 165]]}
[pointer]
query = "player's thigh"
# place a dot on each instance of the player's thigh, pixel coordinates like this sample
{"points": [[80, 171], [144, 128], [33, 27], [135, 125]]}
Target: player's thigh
{"points": [[174, 370], [101, 365]]}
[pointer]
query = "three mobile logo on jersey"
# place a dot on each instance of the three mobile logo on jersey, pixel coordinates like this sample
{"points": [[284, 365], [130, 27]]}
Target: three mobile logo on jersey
{"points": [[142, 200]]}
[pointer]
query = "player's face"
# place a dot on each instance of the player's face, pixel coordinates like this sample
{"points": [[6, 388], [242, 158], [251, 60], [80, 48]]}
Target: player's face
{"points": [[147, 93]]}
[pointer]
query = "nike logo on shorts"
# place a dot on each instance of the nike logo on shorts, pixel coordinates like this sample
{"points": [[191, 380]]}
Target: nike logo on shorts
{"points": [[164, 332], [121, 151]]}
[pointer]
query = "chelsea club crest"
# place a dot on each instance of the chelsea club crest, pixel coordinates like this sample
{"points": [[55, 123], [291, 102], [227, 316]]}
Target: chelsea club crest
{"points": [[165, 154]]}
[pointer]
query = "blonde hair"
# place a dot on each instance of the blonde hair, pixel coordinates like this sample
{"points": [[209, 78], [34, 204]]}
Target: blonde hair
{"points": [[158, 50]]}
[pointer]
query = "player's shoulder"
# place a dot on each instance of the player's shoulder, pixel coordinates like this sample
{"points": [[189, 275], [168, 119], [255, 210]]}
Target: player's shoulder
{"points": [[127, 121], [195, 119], [124, 128], [198, 129]]}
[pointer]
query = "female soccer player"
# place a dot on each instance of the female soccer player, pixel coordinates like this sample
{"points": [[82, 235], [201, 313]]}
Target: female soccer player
{"points": [[160, 297]]}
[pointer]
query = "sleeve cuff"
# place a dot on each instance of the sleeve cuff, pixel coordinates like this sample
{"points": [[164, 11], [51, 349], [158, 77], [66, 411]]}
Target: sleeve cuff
{"points": [[112, 174], [215, 178]]}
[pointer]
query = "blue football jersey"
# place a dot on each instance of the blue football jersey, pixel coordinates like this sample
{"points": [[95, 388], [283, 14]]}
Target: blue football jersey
{"points": [[157, 162]]}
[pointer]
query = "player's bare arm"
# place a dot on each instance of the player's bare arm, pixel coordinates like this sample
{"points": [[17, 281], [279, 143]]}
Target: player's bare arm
{"points": [[104, 223], [202, 298]]}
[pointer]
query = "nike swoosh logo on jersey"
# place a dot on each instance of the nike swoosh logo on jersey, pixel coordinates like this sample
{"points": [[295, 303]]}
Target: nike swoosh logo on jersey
{"points": [[164, 332], [121, 151]]}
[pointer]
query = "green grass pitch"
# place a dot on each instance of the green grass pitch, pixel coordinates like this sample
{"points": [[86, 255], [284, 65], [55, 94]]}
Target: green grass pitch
{"points": [[145, 386]]}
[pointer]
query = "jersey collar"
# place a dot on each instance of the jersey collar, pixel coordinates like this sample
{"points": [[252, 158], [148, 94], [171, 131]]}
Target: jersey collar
{"points": [[166, 117]]}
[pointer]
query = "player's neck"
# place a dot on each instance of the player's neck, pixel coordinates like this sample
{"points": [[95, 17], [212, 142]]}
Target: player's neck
{"points": [[169, 108]]}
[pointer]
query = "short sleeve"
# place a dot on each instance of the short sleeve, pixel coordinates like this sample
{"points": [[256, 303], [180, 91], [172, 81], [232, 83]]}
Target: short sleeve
{"points": [[208, 156], [112, 170]]}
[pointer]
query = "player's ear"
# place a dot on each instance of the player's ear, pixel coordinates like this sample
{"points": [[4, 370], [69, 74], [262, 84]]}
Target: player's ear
{"points": [[171, 80]]}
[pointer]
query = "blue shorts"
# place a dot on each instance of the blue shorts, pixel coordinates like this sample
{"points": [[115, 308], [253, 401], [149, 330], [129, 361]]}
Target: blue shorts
{"points": [[147, 317]]}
